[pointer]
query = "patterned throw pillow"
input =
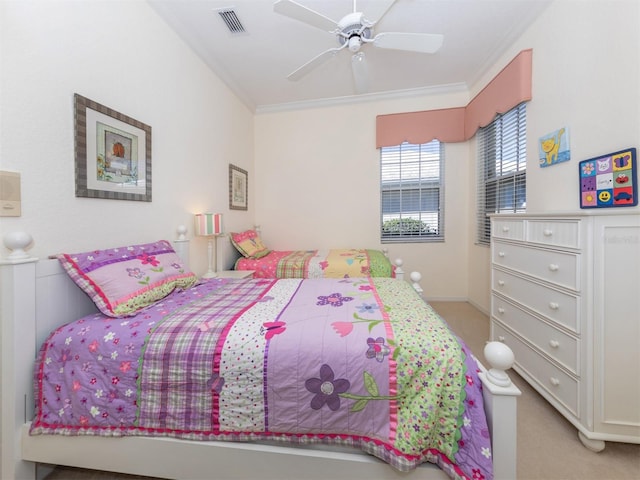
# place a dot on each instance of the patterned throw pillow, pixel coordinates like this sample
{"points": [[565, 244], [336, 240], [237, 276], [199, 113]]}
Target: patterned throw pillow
{"points": [[249, 244], [122, 281]]}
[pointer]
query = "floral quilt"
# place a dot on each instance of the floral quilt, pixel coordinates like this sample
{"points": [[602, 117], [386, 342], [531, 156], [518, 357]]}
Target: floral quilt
{"points": [[334, 263], [358, 362]]}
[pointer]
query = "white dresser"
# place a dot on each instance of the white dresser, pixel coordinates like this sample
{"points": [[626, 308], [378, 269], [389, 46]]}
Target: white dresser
{"points": [[566, 298]]}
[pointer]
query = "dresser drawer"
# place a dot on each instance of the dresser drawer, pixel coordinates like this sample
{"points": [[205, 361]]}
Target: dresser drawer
{"points": [[511, 229], [560, 346], [561, 233], [555, 305], [552, 266], [549, 377]]}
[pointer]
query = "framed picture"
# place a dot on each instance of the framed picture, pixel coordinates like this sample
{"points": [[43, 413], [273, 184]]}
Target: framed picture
{"points": [[609, 180], [238, 188], [113, 153]]}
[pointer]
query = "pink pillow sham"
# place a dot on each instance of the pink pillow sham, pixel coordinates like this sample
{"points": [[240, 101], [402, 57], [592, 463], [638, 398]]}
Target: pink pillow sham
{"points": [[122, 281], [249, 244]]}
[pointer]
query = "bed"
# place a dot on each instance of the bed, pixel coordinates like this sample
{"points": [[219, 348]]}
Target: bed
{"points": [[326, 428], [327, 263]]}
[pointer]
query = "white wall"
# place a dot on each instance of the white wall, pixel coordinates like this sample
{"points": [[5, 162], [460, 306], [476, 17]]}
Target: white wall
{"points": [[586, 76], [318, 184], [122, 55], [585, 66]]}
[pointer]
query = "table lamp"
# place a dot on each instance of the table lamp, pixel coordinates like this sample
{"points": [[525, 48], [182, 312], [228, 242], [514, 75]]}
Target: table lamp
{"points": [[209, 225]]}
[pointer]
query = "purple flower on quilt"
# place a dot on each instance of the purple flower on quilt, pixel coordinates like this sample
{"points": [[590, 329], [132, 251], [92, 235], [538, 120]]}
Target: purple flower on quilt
{"points": [[326, 389], [135, 272], [377, 349], [368, 308], [333, 299]]}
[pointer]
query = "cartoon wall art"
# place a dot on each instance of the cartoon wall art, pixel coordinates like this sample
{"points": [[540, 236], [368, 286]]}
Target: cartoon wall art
{"points": [[609, 180], [554, 148]]}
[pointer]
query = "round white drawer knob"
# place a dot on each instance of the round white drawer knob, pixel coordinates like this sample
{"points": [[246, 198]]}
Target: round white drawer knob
{"points": [[554, 306], [500, 310], [554, 381], [505, 229], [547, 232], [553, 267], [501, 254], [554, 343], [501, 283]]}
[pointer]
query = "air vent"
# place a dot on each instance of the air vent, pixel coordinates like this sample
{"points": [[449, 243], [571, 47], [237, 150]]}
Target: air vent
{"points": [[232, 21]]}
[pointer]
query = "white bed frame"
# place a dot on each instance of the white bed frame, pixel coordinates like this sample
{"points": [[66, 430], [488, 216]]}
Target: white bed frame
{"points": [[37, 296]]}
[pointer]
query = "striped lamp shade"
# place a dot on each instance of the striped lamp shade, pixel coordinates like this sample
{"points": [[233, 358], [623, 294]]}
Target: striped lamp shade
{"points": [[208, 224]]}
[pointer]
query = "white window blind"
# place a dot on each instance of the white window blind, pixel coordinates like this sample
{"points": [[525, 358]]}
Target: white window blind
{"points": [[412, 193], [502, 164]]}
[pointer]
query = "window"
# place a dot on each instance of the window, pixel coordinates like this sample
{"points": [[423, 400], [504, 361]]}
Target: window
{"points": [[502, 164], [412, 193]]}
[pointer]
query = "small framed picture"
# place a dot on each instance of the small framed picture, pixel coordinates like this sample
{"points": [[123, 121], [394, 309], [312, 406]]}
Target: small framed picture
{"points": [[609, 180], [238, 188]]}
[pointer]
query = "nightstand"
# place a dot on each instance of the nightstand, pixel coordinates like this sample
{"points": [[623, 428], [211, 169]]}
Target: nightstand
{"points": [[235, 274]]}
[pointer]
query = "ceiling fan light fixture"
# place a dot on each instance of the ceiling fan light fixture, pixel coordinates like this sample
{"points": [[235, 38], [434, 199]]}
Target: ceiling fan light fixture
{"points": [[360, 72], [355, 43]]}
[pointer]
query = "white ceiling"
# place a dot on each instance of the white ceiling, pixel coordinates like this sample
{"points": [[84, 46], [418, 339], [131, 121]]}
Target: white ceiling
{"points": [[255, 64]]}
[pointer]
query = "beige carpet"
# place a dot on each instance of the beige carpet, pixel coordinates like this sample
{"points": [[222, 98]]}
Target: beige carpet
{"points": [[548, 445]]}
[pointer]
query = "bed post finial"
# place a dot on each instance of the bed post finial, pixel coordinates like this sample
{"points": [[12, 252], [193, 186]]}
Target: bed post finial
{"points": [[182, 232], [181, 244], [415, 278], [500, 357], [398, 267], [17, 242]]}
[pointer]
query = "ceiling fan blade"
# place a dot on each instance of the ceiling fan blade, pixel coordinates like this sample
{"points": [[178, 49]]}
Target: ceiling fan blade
{"points": [[412, 42], [294, 10], [360, 72], [313, 63]]}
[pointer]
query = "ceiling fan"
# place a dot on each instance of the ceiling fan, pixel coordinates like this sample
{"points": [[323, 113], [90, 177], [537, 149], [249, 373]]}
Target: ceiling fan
{"points": [[354, 31]]}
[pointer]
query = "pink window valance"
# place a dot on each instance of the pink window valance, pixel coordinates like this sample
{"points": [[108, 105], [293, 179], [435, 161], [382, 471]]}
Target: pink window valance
{"points": [[508, 88]]}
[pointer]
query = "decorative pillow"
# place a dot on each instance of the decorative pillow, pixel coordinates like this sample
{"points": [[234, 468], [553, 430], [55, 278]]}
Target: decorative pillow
{"points": [[122, 281], [249, 244]]}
